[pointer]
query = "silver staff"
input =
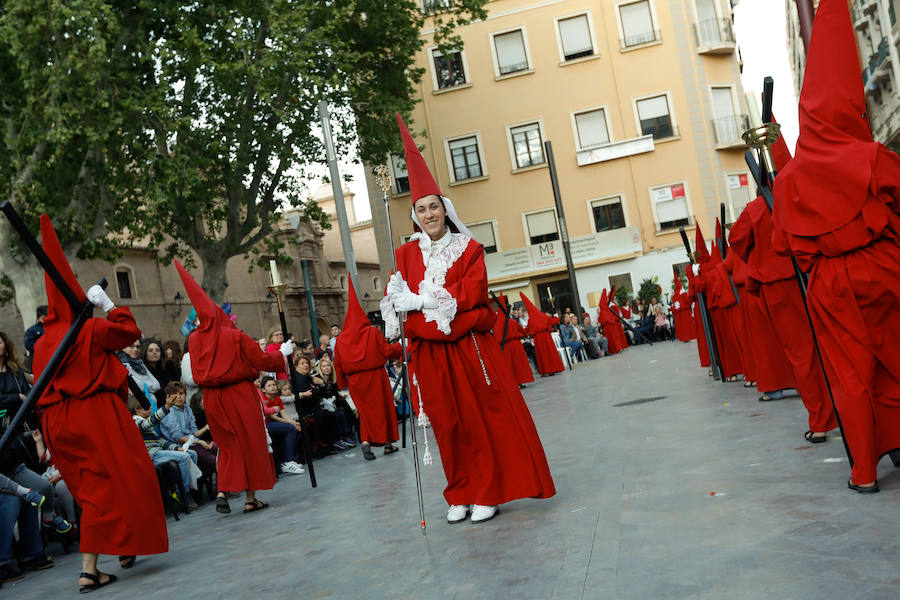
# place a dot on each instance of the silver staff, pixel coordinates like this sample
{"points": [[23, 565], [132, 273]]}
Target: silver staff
{"points": [[384, 180]]}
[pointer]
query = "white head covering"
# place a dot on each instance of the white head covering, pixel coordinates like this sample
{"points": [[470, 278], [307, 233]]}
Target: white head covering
{"points": [[451, 213]]}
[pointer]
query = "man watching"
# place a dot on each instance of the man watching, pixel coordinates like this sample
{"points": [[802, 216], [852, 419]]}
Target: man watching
{"points": [[598, 344], [32, 334]]}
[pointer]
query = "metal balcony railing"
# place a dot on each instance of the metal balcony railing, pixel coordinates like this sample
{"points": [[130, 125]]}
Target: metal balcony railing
{"points": [[728, 129], [713, 32], [640, 38]]}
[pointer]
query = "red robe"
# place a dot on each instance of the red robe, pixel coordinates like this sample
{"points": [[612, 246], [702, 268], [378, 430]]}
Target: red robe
{"points": [[612, 328], [224, 363], [369, 385], [722, 307], [782, 304], [694, 287], [735, 266], [540, 326], [93, 439], [681, 314], [512, 347], [490, 449]]}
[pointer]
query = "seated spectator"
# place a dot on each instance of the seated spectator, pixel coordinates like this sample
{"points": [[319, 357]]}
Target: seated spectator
{"points": [[199, 412], [172, 352], [282, 429], [331, 400], [323, 348], [306, 349], [645, 329], [14, 509], [180, 426], [597, 344], [309, 411], [63, 502], [137, 369], [162, 450], [162, 369], [570, 336], [274, 339], [660, 323]]}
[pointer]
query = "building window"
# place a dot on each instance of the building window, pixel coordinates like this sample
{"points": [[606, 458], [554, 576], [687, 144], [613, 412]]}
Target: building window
{"points": [[510, 51], [376, 284], [608, 214], [125, 282], [621, 282], [449, 70], [401, 177], [435, 6], [728, 125], [670, 205], [637, 24], [542, 226], [575, 37], [527, 145], [343, 282], [680, 269], [485, 235], [738, 194], [654, 117], [465, 158], [591, 128]]}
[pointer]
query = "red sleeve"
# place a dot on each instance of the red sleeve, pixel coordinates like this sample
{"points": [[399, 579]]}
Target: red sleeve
{"points": [[741, 236], [342, 382], [118, 330], [471, 289], [264, 361]]}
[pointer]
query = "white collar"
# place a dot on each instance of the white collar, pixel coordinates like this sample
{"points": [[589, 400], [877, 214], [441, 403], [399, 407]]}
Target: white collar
{"points": [[428, 246]]}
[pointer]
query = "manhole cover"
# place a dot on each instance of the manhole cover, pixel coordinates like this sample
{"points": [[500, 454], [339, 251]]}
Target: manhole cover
{"points": [[640, 401]]}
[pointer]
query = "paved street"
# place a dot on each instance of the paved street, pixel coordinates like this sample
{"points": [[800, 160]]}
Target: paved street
{"points": [[702, 492]]}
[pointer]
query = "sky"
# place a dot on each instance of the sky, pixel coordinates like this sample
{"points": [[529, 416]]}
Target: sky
{"points": [[762, 37]]}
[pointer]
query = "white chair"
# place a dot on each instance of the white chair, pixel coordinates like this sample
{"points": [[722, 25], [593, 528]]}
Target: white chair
{"points": [[565, 353]]}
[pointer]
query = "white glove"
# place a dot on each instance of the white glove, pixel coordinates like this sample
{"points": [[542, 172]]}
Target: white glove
{"points": [[696, 268], [98, 298], [401, 296], [287, 348], [677, 305]]}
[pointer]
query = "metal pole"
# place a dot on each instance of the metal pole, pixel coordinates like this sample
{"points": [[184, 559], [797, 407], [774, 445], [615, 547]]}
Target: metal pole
{"points": [[563, 230], [337, 190], [806, 13], [310, 303]]}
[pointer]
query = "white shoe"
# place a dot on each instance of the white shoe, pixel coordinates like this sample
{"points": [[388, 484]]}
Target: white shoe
{"points": [[481, 513], [457, 513], [292, 468]]}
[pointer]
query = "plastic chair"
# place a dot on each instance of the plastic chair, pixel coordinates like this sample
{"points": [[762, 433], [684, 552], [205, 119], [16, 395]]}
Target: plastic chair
{"points": [[565, 353]]}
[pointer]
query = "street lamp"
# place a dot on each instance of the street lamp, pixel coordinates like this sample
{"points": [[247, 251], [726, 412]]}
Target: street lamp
{"points": [[179, 305]]}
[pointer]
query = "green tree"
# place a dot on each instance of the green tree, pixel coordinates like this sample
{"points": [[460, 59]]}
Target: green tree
{"points": [[623, 296], [649, 289]]}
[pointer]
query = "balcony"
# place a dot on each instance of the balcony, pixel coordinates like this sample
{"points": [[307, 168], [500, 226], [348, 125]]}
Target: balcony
{"points": [[728, 130], [638, 39], [714, 36], [614, 150]]}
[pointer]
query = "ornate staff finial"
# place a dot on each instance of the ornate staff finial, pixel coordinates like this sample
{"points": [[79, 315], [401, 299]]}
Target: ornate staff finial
{"points": [[383, 178]]}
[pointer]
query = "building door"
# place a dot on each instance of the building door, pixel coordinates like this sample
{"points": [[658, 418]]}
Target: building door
{"points": [[562, 296]]}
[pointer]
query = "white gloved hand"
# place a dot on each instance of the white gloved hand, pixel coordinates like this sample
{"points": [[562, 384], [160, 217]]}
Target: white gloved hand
{"points": [[401, 297], [696, 268], [287, 348], [97, 296], [428, 301]]}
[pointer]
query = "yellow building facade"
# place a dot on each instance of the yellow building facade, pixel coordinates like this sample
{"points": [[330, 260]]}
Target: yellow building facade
{"points": [[643, 105]]}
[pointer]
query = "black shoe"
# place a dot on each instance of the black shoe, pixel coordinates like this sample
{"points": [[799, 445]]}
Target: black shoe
{"points": [[367, 452], [863, 490], [809, 437], [10, 572], [222, 505], [38, 564]]}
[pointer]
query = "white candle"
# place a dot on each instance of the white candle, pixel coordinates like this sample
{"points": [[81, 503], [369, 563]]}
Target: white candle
{"points": [[276, 278], [755, 118], [549, 294]]}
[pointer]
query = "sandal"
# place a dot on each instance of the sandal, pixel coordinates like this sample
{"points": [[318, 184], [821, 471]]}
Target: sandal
{"points": [[222, 505], [732, 379], [814, 439], [390, 449], [97, 584], [254, 506], [749, 384], [872, 489], [126, 562], [367, 452]]}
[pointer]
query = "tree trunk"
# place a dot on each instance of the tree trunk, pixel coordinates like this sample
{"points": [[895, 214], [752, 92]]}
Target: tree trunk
{"points": [[27, 277], [215, 279]]}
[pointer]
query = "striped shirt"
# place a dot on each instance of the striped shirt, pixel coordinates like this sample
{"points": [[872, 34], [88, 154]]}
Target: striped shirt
{"points": [[149, 432]]}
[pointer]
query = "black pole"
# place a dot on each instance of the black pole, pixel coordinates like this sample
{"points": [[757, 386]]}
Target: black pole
{"points": [[723, 247], [563, 230], [304, 438], [505, 322]]}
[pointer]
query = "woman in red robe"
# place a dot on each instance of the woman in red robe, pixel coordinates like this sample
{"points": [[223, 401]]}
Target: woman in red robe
{"points": [[91, 434], [836, 211], [224, 363], [539, 327], [681, 313], [360, 356], [511, 344], [461, 382]]}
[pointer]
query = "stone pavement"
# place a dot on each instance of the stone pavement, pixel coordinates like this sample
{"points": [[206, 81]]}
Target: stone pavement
{"points": [[695, 491]]}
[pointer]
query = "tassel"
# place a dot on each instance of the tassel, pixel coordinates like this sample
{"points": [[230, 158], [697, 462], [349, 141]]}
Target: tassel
{"points": [[423, 422]]}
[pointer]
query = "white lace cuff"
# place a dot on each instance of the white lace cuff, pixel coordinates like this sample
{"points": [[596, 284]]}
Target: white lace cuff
{"points": [[389, 316], [446, 307]]}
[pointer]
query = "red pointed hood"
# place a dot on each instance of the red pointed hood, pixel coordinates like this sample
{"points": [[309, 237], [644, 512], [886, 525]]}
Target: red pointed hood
{"points": [[826, 184], [604, 299], [537, 321], [715, 256], [612, 296], [353, 340], [210, 314], [700, 245], [718, 239], [59, 314], [421, 181], [678, 288]]}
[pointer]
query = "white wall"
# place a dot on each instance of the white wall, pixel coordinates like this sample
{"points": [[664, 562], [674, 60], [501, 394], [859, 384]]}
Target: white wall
{"points": [[653, 264]]}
